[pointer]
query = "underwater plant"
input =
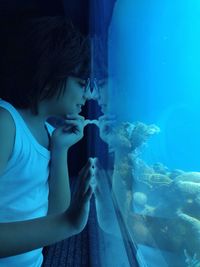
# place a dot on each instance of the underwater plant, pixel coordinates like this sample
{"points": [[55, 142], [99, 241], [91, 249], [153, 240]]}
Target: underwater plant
{"points": [[192, 221], [125, 140], [160, 168]]}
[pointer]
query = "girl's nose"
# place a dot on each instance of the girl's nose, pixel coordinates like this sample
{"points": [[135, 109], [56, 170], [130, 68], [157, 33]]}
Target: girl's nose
{"points": [[87, 93], [95, 94], [86, 96]]}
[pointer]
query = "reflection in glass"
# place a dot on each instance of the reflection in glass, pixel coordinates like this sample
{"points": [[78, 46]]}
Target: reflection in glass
{"points": [[156, 178]]}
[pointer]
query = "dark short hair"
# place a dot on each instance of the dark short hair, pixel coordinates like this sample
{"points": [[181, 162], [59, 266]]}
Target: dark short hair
{"points": [[40, 53]]}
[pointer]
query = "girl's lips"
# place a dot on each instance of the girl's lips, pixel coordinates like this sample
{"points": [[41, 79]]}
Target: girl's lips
{"points": [[79, 107]]}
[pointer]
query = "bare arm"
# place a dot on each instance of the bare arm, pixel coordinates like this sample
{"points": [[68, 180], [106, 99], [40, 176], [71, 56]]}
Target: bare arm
{"points": [[22, 236], [7, 138], [19, 237], [59, 188], [61, 140]]}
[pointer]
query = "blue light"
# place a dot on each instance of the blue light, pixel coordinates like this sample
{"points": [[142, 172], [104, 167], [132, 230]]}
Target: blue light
{"points": [[154, 55]]}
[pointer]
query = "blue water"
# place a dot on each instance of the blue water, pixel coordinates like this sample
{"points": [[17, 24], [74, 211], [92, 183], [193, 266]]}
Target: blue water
{"points": [[154, 59], [154, 78], [154, 68]]}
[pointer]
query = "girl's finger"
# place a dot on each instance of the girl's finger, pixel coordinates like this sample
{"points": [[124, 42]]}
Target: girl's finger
{"points": [[66, 128], [101, 175], [88, 195], [85, 168], [97, 191], [86, 122], [71, 126], [97, 164], [72, 121], [85, 175], [73, 117], [86, 182]]}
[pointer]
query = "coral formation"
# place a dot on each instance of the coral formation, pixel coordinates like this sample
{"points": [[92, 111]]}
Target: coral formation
{"points": [[160, 168], [174, 173], [194, 223], [189, 176], [155, 179], [140, 198], [140, 204], [129, 136], [188, 187], [156, 190]]}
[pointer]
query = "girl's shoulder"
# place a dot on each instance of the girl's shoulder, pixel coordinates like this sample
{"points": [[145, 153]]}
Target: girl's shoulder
{"points": [[7, 137], [6, 119]]}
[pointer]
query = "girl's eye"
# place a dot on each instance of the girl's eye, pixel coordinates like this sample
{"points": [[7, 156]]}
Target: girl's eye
{"points": [[82, 84]]}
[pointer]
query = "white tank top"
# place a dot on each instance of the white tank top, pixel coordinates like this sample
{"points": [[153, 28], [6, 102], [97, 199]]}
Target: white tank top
{"points": [[24, 185]]}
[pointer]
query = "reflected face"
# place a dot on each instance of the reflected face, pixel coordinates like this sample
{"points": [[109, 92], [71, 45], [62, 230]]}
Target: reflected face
{"points": [[101, 93], [73, 97]]}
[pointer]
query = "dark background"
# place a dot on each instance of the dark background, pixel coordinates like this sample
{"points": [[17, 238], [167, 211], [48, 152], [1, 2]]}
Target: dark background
{"points": [[92, 17]]}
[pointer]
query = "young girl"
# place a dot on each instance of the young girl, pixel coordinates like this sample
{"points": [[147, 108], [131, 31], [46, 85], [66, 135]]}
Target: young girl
{"points": [[46, 62]]}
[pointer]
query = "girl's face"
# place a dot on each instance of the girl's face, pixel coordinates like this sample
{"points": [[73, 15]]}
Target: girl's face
{"points": [[73, 98]]}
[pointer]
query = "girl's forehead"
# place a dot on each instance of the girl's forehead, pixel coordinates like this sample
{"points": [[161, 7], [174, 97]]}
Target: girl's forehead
{"points": [[98, 80], [90, 80]]}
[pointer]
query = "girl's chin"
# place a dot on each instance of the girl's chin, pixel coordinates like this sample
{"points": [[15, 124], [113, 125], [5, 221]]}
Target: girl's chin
{"points": [[78, 109]]}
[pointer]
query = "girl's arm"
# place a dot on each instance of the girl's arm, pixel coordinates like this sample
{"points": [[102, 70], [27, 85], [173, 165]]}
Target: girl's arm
{"points": [[23, 236], [61, 140], [7, 138], [59, 188]]}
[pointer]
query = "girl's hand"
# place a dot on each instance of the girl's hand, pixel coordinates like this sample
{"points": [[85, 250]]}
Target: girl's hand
{"points": [[68, 134], [108, 133], [77, 214], [106, 127]]}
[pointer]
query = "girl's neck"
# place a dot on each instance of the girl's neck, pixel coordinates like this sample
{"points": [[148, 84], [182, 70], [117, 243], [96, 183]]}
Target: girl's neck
{"points": [[29, 117]]}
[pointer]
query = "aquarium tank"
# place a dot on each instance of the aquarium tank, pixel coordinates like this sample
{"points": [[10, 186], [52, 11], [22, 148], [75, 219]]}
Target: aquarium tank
{"points": [[149, 97], [142, 131]]}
